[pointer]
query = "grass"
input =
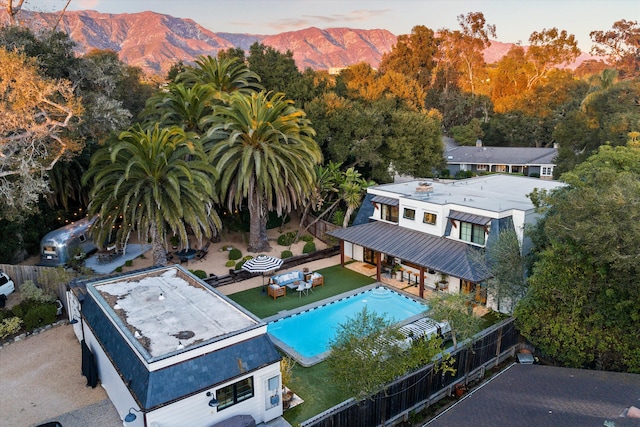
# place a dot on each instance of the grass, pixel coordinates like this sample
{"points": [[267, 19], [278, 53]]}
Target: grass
{"points": [[337, 280], [314, 386]]}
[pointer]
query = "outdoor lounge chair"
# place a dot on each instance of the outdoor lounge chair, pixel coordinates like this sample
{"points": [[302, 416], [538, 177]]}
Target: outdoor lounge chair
{"points": [[301, 288]]}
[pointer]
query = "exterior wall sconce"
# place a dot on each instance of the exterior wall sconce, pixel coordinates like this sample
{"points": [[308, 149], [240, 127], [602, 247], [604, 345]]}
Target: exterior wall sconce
{"points": [[130, 417], [213, 402]]}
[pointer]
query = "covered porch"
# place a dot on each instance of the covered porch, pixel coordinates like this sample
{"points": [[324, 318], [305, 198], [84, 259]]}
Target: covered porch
{"points": [[414, 261]]}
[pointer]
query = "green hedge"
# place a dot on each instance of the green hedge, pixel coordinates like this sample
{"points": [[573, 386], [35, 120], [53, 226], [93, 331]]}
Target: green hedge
{"points": [[286, 254], [286, 239], [309, 247]]}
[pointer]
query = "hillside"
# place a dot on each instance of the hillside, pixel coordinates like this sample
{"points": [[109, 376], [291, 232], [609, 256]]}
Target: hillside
{"points": [[153, 41]]}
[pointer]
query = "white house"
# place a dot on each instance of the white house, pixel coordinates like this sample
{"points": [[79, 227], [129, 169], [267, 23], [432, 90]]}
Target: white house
{"points": [[172, 351], [431, 228]]}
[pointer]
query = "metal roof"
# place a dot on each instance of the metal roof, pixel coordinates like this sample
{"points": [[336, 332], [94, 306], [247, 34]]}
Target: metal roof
{"points": [[467, 217], [432, 252], [385, 200]]}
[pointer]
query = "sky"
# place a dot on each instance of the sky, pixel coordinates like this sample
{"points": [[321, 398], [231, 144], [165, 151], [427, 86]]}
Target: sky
{"points": [[515, 20]]}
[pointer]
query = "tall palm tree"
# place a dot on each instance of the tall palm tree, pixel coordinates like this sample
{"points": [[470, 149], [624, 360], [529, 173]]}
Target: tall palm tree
{"points": [[152, 181], [264, 149], [221, 74], [180, 105], [352, 190]]}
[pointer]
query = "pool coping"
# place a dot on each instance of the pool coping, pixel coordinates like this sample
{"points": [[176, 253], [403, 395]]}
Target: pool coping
{"points": [[310, 361]]}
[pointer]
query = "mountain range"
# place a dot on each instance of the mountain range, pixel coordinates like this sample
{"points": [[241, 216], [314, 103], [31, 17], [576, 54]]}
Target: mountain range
{"points": [[154, 41]]}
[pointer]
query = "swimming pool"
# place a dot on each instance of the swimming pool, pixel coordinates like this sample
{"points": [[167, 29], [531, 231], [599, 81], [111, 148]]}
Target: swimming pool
{"points": [[305, 336]]}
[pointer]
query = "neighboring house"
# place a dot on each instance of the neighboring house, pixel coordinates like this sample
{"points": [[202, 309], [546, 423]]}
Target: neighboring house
{"points": [[527, 161], [535, 395], [430, 228], [172, 351]]}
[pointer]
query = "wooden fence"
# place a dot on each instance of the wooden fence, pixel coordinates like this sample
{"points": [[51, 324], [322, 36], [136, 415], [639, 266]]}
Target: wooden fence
{"points": [[423, 388], [21, 273], [320, 230]]}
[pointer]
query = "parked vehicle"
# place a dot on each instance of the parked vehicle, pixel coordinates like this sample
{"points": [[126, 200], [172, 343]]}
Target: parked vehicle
{"points": [[7, 287], [59, 246]]}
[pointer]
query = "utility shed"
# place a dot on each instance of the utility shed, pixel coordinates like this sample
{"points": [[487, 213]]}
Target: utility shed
{"points": [[172, 351]]}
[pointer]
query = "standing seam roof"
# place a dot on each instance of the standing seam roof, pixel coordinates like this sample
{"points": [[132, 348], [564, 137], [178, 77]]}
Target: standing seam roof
{"points": [[438, 253]]}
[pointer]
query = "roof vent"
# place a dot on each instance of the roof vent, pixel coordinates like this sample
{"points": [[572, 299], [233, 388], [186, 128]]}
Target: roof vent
{"points": [[424, 187]]}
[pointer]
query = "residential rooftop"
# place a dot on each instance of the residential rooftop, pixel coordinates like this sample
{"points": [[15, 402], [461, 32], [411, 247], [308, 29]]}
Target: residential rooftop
{"points": [[495, 193], [166, 310]]}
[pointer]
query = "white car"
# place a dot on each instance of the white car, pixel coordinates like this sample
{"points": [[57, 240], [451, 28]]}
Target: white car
{"points": [[6, 287]]}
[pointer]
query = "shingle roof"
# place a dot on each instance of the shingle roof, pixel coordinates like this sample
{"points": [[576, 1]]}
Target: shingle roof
{"points": [[502, 155], [536, 395], [438, 253]]}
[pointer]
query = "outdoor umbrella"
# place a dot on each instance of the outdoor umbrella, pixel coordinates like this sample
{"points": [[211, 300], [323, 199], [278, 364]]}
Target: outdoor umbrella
{"points": [[262, 264]]}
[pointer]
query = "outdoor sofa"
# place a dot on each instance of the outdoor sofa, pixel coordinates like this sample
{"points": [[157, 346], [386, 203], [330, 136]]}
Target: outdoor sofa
{"points": [[288, 279]]}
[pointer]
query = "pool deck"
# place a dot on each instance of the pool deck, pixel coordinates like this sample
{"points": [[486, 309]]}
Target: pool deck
{"points": [[310, 361]]}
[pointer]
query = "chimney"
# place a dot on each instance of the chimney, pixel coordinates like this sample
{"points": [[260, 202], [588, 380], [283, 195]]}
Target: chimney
{"points": [[424, 187]]}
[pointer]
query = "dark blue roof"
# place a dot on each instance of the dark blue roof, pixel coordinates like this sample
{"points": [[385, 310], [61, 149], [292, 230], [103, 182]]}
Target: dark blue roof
{"points": [[438, 253], [365, 211], [163, 386]]}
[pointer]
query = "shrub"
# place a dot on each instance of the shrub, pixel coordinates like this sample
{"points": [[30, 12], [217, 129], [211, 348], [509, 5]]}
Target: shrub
{"points": [[21, 310], [445, 173], [286, 239], [240, 264], [30, 291], [309, 247], [247, 258], [235, 254], [10, 326], [40, 315], [307, 238], [338, 217], [119, 269], [200, 274], [286, 254], [534, 175], [128, 263], [230, 263]]}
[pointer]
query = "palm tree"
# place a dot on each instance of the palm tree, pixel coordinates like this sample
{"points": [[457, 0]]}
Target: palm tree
{"points": [[151, 181], [180, 105], [264, 149], [352, 190], [223, 75]]}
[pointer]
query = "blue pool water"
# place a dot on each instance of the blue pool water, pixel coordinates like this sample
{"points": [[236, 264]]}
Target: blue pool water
{"points": [[309, 333]]}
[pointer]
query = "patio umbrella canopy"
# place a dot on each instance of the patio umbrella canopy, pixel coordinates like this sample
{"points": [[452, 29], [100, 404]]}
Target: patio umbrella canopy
{"points": [[262, 264]]}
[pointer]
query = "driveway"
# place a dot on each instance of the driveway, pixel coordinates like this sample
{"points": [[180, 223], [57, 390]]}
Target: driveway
{"points": [[40, 380]]}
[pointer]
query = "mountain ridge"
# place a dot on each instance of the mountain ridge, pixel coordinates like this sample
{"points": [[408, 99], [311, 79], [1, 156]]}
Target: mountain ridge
{"points": [[155, 41]]}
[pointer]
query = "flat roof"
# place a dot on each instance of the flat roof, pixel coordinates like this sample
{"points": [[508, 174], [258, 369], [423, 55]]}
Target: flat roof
{"points": [[167, 310], [494, 193]]}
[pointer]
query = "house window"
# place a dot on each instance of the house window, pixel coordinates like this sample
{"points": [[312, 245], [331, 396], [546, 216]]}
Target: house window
{"points": [[429, 218], [482, 168], [501, 168], [473, 233], [389, 213], [409, 213], [546, 171], [234, 393]]}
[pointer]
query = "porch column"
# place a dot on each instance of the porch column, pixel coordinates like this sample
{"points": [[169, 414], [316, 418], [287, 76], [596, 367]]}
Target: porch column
{"points": [[379, 266], [421, 282], [342, 253]]}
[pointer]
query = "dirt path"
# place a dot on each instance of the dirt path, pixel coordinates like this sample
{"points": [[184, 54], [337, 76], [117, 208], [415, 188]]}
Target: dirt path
{"points": [[40, 378]]}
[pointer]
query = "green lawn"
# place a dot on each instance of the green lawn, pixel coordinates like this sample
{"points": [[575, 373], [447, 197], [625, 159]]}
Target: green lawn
{"points": [[337, 280], [314, 386]]}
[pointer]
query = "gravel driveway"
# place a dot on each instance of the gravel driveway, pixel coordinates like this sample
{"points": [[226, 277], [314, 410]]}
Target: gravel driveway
{"points": [[40, 380]]}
